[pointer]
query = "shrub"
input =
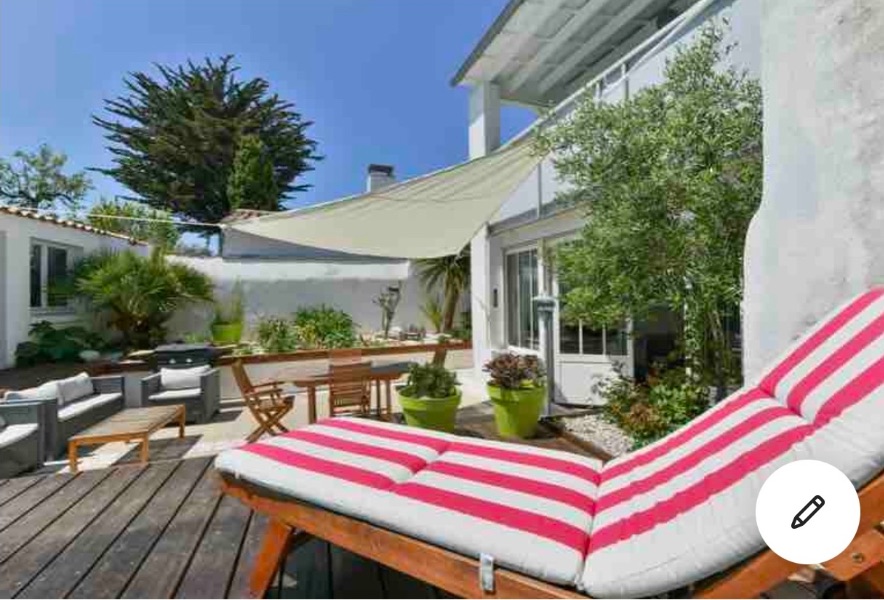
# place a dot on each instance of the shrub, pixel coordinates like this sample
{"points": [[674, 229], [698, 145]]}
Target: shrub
{"points": [[48, 344], [324, 327], [276, 335], [650, 411], [512, 371], [430, 381]]}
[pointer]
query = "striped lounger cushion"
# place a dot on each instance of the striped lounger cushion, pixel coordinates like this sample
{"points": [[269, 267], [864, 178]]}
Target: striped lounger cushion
{"points": [[657, 519]]}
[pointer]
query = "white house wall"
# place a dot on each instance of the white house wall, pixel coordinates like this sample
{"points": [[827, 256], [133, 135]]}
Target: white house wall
{"points": [[15, 310], [278, 287]]}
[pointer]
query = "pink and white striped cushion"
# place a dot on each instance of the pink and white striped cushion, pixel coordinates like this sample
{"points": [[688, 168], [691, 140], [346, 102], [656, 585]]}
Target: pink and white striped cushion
{"points": [[683, 508]]}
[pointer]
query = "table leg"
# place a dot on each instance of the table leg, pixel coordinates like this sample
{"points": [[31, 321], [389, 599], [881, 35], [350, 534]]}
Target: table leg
{"points": [[145, 450], [72, 456], [182, 418], [389, 400], [377, 393], [311, 404]]}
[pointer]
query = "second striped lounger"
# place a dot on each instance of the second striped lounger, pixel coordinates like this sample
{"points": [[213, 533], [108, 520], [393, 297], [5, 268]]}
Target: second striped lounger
{"points": [[676, 514]]}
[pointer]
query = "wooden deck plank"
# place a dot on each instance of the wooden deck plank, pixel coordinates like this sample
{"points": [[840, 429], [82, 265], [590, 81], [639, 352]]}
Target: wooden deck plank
{"points": [[162, 569], [66, 570], [46, 512], [33, 496], [14, 487], [27, 563], [239, 585], [109, 577], [212, 567]]}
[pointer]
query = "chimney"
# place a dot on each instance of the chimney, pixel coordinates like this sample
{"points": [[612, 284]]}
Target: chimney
{"points": [[379, 177]]}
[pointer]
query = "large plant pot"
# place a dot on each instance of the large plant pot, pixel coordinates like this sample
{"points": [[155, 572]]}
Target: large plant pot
{"points": [[430, 413], [226, 333], [516, 412]]}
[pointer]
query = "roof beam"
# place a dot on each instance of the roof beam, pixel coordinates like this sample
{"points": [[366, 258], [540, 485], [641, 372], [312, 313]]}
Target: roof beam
{"points": [[589, 10], [535, 21], [625, 16]]}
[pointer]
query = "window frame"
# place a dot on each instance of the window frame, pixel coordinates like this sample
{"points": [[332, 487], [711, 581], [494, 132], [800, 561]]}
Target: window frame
{"points": [[509, 309], [45, 308]]}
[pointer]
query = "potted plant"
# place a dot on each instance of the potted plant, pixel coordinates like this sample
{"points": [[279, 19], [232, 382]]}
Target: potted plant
{"points": [[518, 390], [229, 317], [430, 397]]}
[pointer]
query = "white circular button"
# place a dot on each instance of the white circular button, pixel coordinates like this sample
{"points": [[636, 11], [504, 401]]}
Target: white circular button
{"points": [[807, 512]]}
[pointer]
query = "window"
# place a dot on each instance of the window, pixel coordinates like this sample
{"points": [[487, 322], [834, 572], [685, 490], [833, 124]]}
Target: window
{"points": [[582, 339], [521, 288], [49, 269]]}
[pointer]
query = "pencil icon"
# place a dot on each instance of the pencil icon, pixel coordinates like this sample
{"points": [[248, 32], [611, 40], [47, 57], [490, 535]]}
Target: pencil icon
{"points": [[806, 514]]}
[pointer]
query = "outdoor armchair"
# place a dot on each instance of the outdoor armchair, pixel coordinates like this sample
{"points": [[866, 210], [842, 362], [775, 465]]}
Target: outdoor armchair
{"points": [[21, 437], [198, 389]]}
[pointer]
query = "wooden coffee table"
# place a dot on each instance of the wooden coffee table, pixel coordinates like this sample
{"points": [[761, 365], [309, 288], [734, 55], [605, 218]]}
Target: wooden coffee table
{"points": [[130, 424]]}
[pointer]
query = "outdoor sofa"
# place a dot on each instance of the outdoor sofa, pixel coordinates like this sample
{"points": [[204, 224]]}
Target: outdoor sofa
{"points": [[21, 437], [71, 405], [197, 388], [486, 518]]}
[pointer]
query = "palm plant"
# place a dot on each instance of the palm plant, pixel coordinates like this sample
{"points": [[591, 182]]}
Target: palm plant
{"points": [[138, 294], [452, 274]]}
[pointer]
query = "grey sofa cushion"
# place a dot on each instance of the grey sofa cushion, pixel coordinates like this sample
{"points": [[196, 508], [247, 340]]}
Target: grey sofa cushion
{"points": [[74, 388], [179, 379], [84, 404], [181, 395], [46, 391], [13, 433]]}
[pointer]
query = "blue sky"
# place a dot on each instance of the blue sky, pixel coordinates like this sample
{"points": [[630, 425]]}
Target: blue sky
{"points": [[372, 74]]}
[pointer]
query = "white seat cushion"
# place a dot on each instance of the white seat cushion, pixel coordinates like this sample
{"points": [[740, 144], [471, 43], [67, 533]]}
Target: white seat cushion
{"points": [[13, 433], [47, 391], [179, 379], [181, 395], [77, 408], [529, 508], [74, 388]]}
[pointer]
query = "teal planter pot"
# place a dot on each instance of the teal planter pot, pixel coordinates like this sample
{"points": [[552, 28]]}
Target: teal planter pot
{"points": [[516, 412], [438, 414]]}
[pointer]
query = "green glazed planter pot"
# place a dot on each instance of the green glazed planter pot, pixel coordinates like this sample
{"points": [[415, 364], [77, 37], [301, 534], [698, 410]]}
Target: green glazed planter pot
{"points": [[430, 413], [516, 412], [226, 333]]}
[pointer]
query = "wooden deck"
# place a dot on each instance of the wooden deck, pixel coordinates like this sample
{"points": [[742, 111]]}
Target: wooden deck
{"points": [[164, 530]]}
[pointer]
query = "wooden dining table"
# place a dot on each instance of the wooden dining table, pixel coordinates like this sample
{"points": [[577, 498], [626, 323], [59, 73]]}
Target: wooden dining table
{"points": [[380, 374]]}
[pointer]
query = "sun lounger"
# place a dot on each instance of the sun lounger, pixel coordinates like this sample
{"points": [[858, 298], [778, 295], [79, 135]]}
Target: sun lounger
{"points": [[675, 513]]}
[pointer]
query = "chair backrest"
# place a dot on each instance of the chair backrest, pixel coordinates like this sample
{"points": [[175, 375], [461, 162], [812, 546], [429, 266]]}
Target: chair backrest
{"points": [[349, 386], [242, 378], [344, 356]]}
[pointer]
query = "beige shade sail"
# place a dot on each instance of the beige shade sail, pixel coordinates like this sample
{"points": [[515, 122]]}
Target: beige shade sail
{"points": [[429, 216]]}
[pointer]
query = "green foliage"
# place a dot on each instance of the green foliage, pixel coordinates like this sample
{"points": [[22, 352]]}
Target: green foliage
{"points": [[161, 234], [49, 344], [277, 335], [430, 381], [452, 275], [512, 371], [324, 327], [650, 411], [432, 311], [139, 294], [252, 181], [36, 180], [175, 138], [668, 180], [231, 309], [310, 328]]}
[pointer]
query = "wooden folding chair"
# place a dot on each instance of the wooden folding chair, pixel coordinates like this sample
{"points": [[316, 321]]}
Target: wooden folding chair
{"points": [[266, 401], [349, 388], [294, 522]]}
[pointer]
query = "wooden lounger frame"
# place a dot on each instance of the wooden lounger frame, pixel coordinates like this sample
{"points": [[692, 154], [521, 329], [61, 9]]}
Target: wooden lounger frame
{"points": [[293, 522]]}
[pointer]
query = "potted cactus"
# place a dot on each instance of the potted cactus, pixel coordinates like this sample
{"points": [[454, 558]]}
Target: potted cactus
{"points": [[430, 397], [517, 388]]}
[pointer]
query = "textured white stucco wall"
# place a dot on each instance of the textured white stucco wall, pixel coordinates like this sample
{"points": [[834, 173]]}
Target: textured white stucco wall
{"points": [[15, 282], [817, 238]]}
